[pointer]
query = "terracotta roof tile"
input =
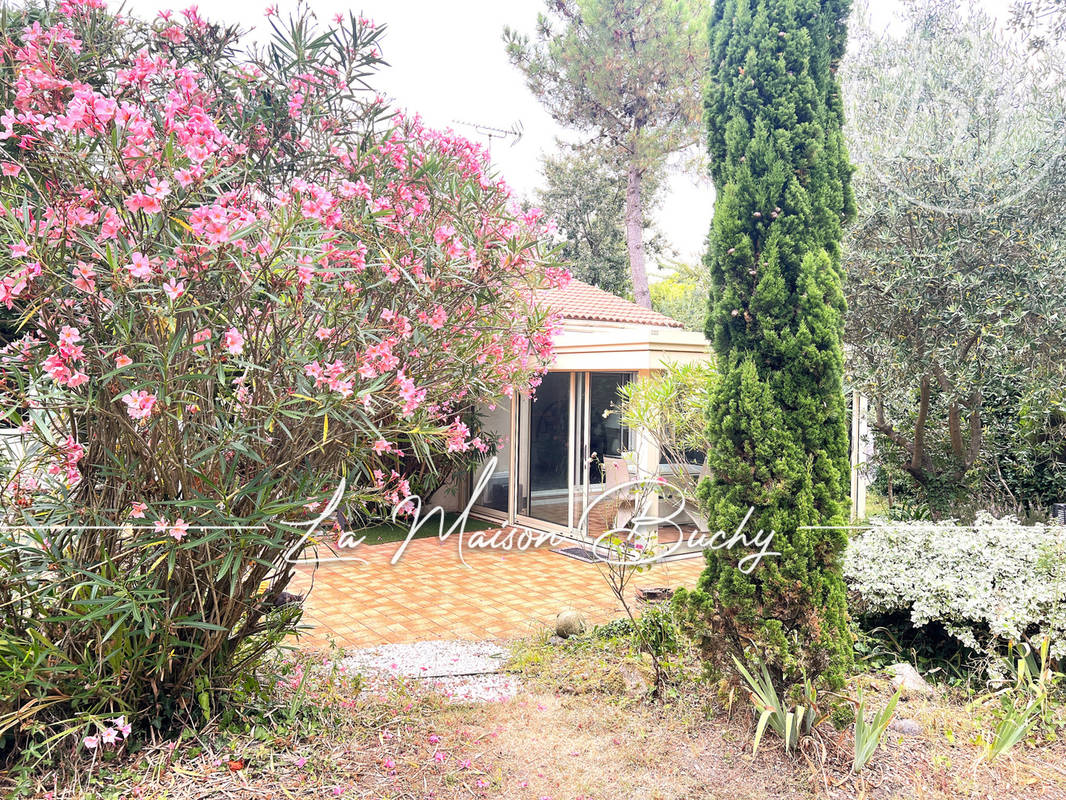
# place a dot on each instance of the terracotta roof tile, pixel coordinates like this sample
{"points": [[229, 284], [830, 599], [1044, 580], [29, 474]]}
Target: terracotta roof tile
{"points": [[580, 300]]}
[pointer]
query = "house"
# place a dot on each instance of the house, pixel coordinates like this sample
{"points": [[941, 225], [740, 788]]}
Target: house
{"points": [[550, 462]]}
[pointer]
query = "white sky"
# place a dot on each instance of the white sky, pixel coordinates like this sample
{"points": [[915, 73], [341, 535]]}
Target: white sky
{"points": [[447, 62]]}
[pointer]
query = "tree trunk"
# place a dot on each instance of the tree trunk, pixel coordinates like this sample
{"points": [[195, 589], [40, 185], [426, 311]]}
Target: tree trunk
{"points": [[635, 236], [918, 453], [955, 431]]}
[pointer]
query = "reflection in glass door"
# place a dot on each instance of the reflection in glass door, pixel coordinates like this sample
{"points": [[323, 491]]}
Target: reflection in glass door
{"points": [[495, 497], [607, 436], [545, 428], [605, 441]]}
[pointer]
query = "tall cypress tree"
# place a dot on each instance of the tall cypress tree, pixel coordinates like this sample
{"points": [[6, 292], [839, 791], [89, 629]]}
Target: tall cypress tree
{"points": [[778, 418]]}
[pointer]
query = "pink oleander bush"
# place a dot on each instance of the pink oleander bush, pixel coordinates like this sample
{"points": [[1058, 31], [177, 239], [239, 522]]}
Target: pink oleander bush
{"points": [[238, 277]]}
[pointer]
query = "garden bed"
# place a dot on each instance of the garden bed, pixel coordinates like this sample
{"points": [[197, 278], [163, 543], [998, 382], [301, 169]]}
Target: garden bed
{"points": [[578, 729]]}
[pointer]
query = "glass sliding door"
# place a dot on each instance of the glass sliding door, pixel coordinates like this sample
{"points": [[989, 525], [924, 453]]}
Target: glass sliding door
{"points": [[607, 440], [552, 466], [546, 445], [607, 436], [496, 496]]}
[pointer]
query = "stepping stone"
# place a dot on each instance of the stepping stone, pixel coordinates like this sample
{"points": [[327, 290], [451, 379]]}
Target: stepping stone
{"points": [[464, 672], [440, 659]]}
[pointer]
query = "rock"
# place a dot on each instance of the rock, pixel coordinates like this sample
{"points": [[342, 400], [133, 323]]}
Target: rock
{"points": [[569, 623], [908, 727], [907, 676]]}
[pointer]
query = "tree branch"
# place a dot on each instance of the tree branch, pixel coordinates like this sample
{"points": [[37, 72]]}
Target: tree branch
{"points": [[918, 453]]}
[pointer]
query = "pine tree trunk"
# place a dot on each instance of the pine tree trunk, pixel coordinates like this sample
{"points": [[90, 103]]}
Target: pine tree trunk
{"points": [[635, 237]]}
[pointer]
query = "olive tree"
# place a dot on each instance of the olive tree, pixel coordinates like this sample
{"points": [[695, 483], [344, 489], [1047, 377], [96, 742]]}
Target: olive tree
{"points": [[956, 259]]}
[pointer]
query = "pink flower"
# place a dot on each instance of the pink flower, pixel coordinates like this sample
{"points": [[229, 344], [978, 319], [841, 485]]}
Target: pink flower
{"points": [[411, 395], [233, 341], [381, 446], [457, 437], [123, 727], [433, 738], [172, 33], [440, 757], [85, 279], [10, 170], [388, 763], [443, 234], [296, 103], [161, 525], [139, 404], [158, 189], [122, 361], [174, 289], [139, 266], [201, 336], [77, 379], [138, 510], [91, 742], [143, 202], [437, 320], [68, 336], [56, 368], [109, 736], [20, 249], [111, 225], [179, 529]]}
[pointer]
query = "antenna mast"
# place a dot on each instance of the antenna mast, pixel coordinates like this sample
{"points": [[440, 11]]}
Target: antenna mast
{"points": [[490, 133]]}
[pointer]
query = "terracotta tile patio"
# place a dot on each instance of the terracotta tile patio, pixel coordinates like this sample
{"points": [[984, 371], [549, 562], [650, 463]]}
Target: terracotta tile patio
{"points": [[430, 594]]}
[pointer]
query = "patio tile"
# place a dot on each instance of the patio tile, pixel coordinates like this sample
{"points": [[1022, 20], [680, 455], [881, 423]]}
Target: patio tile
{"points": [[430, 594]]}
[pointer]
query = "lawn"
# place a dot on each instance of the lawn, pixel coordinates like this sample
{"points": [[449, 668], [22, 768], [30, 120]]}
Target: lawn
{"points": [[385, 532]]}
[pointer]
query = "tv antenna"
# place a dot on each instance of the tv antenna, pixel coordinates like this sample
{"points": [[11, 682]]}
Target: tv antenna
{"points": [[514, 132]]}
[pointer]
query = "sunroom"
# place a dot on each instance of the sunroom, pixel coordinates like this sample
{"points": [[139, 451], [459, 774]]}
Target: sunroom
{"points": [[564, 447]]}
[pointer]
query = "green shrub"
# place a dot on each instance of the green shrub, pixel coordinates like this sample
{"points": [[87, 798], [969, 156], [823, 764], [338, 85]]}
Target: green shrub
{"points": [[242, 285], [657, 628], [682, 295], [671, 409], [988, 584]]}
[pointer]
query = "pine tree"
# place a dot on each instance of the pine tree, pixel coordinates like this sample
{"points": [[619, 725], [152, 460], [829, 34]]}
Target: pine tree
{"points": [[626, 73], [778, 418]]}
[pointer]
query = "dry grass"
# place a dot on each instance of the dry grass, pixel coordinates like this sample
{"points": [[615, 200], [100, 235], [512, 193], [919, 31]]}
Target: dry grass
{"points": [[580, 731]]}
